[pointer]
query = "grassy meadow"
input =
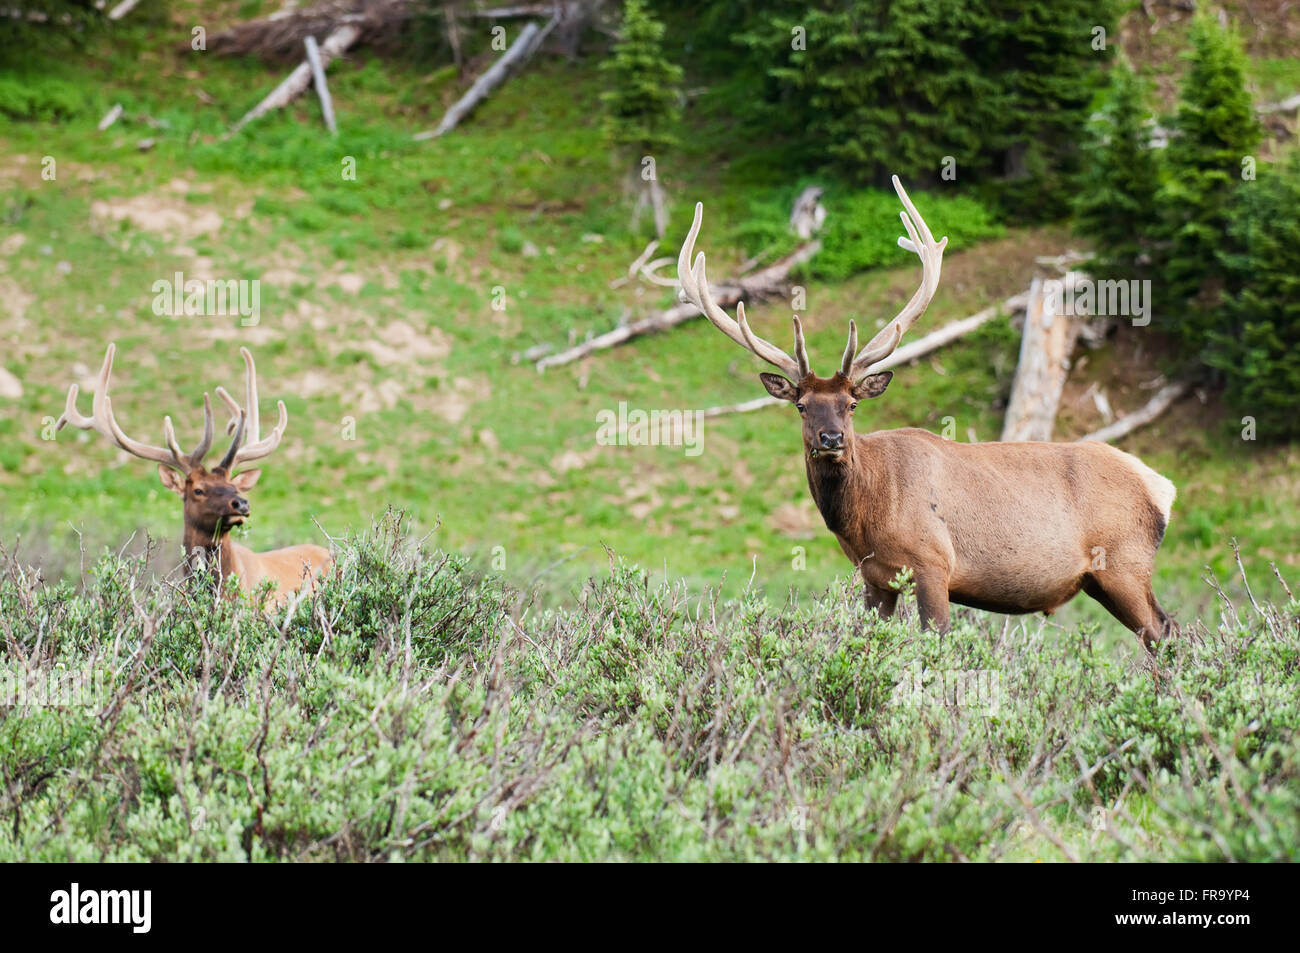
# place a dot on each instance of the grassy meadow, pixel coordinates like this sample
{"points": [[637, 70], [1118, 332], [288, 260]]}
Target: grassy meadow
{"points": [[670, 642]]}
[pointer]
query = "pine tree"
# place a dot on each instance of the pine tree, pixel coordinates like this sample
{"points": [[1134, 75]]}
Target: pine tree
{"points": [[1000, 86], [642, 104], [1115, 204], [1256, 341], [1216, 129]]}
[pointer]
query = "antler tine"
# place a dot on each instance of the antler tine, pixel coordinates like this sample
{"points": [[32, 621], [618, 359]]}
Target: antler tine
{"points": [[256, 448], [145, 451], [201, 450], [250, 396], [264, 447], [228, 461], [254, 426], [73, 416], [695, 288], [846, 364], [801, 350], [103, 422], [921, 241]]}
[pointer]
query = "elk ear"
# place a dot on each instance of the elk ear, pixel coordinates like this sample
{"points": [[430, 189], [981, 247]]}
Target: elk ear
{"points": [[779, 387], [246, 480], [172, 479], [872, 386]]}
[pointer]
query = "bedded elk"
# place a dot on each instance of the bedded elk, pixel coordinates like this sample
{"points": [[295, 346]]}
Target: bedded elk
{"points": [[214, 499], [1006, 527]]}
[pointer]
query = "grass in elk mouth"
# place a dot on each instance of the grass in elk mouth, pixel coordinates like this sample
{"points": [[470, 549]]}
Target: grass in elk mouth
{"points": [[417, 710]]}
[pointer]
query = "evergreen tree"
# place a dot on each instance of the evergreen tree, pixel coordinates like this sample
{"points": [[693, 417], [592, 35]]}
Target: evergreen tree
{"points": [[1255, 343], [1115, 204], [1000, 86], [642, 103], [1216, 129]]}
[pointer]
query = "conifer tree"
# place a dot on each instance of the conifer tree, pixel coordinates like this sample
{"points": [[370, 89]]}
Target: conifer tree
{"points": [[642, 103], [1115, 204], [1216, 130]]}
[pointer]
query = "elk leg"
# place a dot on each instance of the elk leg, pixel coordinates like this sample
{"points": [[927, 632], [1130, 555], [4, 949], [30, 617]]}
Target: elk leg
{"points": [[1132, 602], [882, 600], [932, 601]]}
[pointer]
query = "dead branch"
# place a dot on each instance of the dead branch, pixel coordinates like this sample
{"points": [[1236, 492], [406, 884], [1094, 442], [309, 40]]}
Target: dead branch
{"points": [[1162, 401], [296, 83], [318, 80], [524, 46], [761, 283], [122, 9]]}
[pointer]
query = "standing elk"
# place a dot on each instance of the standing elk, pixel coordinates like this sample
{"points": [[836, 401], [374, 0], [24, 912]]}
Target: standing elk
{"points": [[1005, 527], [214, 499]]}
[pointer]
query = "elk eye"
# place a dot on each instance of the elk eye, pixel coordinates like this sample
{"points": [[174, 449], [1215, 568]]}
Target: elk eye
{"points": [[800, 408], [198, 491], [853, 405]]}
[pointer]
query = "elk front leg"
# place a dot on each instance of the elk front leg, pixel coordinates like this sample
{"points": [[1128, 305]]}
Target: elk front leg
{"points": [[882, 600], [932, 600]]}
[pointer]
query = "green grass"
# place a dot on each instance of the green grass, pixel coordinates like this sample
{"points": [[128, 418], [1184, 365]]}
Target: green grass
{"points": [[413, 711], [447, 426]]}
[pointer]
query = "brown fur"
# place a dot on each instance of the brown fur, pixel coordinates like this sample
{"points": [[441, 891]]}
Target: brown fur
{"points": [[1007, 527], [214, 503]]}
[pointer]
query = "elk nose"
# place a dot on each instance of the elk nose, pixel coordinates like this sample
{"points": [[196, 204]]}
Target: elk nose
{"points": [[239, 505], [831, 439]]}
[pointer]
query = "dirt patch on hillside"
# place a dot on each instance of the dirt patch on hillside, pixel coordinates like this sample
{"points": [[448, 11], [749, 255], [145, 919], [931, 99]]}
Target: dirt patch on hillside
{"points": [[160, 214]]}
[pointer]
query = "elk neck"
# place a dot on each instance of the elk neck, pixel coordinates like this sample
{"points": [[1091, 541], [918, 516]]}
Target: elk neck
{"points": [[839, 485], [219, 548]]}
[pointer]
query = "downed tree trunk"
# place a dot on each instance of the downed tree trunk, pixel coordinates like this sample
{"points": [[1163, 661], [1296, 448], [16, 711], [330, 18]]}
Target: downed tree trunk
{"points": [[1045, 348], [280, 36], [908, 352], [1162, 401], [122, 9], [296, 83], [767, 281], [525, 44], [318, 80]]}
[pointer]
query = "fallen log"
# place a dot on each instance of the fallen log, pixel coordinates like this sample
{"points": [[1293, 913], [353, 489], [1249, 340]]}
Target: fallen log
{"points": [[765, 282], [908, 352], [525, 44], [1162, 401], [1045, 347], [296, 83], [280, 36]]}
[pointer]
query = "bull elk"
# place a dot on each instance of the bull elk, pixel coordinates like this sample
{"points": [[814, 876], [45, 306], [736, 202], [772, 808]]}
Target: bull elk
{"points": [[214, 499], [1006, 527]]}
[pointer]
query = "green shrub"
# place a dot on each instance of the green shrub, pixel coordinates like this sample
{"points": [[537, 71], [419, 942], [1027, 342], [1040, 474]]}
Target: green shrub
{"points": [[409, 712], [42, 99]]}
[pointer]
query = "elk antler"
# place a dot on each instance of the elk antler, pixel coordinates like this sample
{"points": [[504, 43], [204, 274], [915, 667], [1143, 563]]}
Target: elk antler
{"points": [[256, 448], [695, 288], [921, 241], [103, 422]]}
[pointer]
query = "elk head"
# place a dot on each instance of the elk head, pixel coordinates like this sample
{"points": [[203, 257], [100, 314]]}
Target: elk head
{"points": [[826, 404], [214, 499]]}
